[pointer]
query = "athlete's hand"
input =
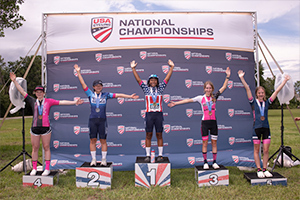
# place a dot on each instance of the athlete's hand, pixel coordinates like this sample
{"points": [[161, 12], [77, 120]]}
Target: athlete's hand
{"points": [[170, 62], [79, 101], [133, 64], [171, 104], [134, 96], [228, 72], [241, 73], [77, 68], [287, 77], [12, 76]]}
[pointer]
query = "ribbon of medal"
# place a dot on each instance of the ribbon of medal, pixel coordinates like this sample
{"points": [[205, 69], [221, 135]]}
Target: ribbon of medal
{"points": [[97, 101], [261, 109], [154, 96], [40, 107], [209, 105]]}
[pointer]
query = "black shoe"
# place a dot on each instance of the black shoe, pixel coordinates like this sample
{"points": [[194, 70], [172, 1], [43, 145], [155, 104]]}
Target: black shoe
{"points": [[147, 159], [160, 159]]}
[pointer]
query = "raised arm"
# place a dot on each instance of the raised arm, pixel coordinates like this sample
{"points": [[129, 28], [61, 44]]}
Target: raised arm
{"points": [[132, 96], [274, 95], [77, 68], [174, 103], [19, 88], [241, 74], [168, 76], [133, 64], [226, 80]]}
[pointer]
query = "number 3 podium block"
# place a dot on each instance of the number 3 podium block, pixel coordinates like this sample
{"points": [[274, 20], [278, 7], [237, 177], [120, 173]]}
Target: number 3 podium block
{"points": [[94, 176], [211, 177], [40, 181], [152, 174]]}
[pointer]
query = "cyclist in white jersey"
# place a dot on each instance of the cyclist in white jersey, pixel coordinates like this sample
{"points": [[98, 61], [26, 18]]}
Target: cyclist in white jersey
{"points": [[209, 121]]}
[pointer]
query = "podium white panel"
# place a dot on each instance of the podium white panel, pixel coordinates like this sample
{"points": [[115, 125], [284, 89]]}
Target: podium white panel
{"points": [[152, 174], [95, 176], [40, 181], [211, 176]]}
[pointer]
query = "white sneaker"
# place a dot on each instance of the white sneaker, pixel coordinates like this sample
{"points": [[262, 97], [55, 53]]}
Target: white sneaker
{"points": [[33, 172], [268, 174], [94, 162], [46, 173], [215, 166], [260, 174], [103, 162], [205, 166]]}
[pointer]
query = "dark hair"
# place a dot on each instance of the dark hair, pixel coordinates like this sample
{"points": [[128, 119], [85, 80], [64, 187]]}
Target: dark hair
{"points": [[153, 76]]}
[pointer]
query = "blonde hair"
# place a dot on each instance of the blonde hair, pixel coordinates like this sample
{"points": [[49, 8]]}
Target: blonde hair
{"points": [[260, 87], [212, 87]]}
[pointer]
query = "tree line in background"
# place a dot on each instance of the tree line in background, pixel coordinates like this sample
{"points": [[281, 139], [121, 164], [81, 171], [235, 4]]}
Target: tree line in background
{"points": [[34, 78]]}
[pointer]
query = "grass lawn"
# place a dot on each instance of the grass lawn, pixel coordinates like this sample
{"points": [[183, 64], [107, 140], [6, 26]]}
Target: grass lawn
{"points": [[183, 184]]}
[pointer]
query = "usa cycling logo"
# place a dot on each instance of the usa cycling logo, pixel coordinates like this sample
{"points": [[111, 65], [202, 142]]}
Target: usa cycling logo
{"points": [[165, 69], [56, 144], [98, 57], [231, 140], [187, 55], [228, 56], [166, 98], [120, 70], [235, 159], [101, 28], [191, 160], [121, 129], [189, 112], [190, 142], [230, 112], [56, 59], [208, 69], [56, 115]]}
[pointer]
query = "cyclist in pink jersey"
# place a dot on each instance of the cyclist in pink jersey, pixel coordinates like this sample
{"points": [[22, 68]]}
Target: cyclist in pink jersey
{"points": [[40, 128], [209, 121]]}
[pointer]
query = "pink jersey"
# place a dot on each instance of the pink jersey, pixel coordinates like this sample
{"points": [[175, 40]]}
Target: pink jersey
{"points": [[204, 100], [47, 103]]}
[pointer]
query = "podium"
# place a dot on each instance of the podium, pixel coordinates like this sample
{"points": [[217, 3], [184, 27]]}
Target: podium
{"points": [[152, 174], [277, 179], [40, 181], [94, 176], [211, 176]]}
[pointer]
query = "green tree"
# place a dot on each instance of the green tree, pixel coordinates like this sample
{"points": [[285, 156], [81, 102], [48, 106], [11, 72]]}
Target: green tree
{"points": [[9, 16]]}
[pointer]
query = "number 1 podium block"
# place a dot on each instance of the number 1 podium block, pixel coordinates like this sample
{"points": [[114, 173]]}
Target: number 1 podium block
{"points": [[40, 181], [152, 174], [211, 176], [94, 176]]}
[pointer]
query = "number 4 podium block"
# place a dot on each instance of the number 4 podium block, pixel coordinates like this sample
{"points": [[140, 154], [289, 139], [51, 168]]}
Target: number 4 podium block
{"points": [[211, 177], [152, 174], [40, 181], [94, 176]]}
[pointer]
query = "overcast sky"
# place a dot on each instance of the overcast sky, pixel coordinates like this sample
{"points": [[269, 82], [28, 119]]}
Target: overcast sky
{"points": [[278, 23]]}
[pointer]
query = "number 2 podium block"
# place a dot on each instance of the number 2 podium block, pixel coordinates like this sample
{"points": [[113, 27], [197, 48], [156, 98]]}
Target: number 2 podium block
{"points": [[211, 177], [94, 176], [40, 181], [152, 174]]}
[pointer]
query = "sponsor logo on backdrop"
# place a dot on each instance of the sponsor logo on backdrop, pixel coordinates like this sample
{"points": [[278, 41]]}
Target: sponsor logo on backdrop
{"points": [[233, 140], [111, 144], [208, 69], [58, 59], [98, 144], [101, 28], [57, 87], [58, 115], [77, 155], [55, 144], [168, 128], [230, 84], [232, 112], [165, 69], [85, 72], [190, 112], [111, 114], [191, 160], [143, 113], [166, 98], [99, 57], [53, 162], [121, 70], [235, 159], [224, 127], [230, 56], [211, 69], [121, 129], [64, 162], [77, 130], [120, 100], [145, 54], [190, 83], [179, 69], [124, 129], [143, 144], [222, 98], [111, 85], [66, 144], [189, 142], [189, 54]]}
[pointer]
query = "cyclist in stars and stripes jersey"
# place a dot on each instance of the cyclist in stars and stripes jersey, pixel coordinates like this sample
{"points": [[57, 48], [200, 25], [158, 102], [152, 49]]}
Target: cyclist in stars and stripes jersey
{"points": [[154, 114]]}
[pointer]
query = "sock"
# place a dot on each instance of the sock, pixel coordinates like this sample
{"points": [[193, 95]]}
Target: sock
{"points": [[47, 164], [148, 151], [93, 154], [104, 153], [214, 157], [160, 151], [258, 169], [204, 156], [264, 169], [34, 164]]}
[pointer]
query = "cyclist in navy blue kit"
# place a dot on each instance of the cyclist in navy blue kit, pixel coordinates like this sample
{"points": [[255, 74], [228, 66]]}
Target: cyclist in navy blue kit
{"points": [[97, 119], [154, 114]]}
